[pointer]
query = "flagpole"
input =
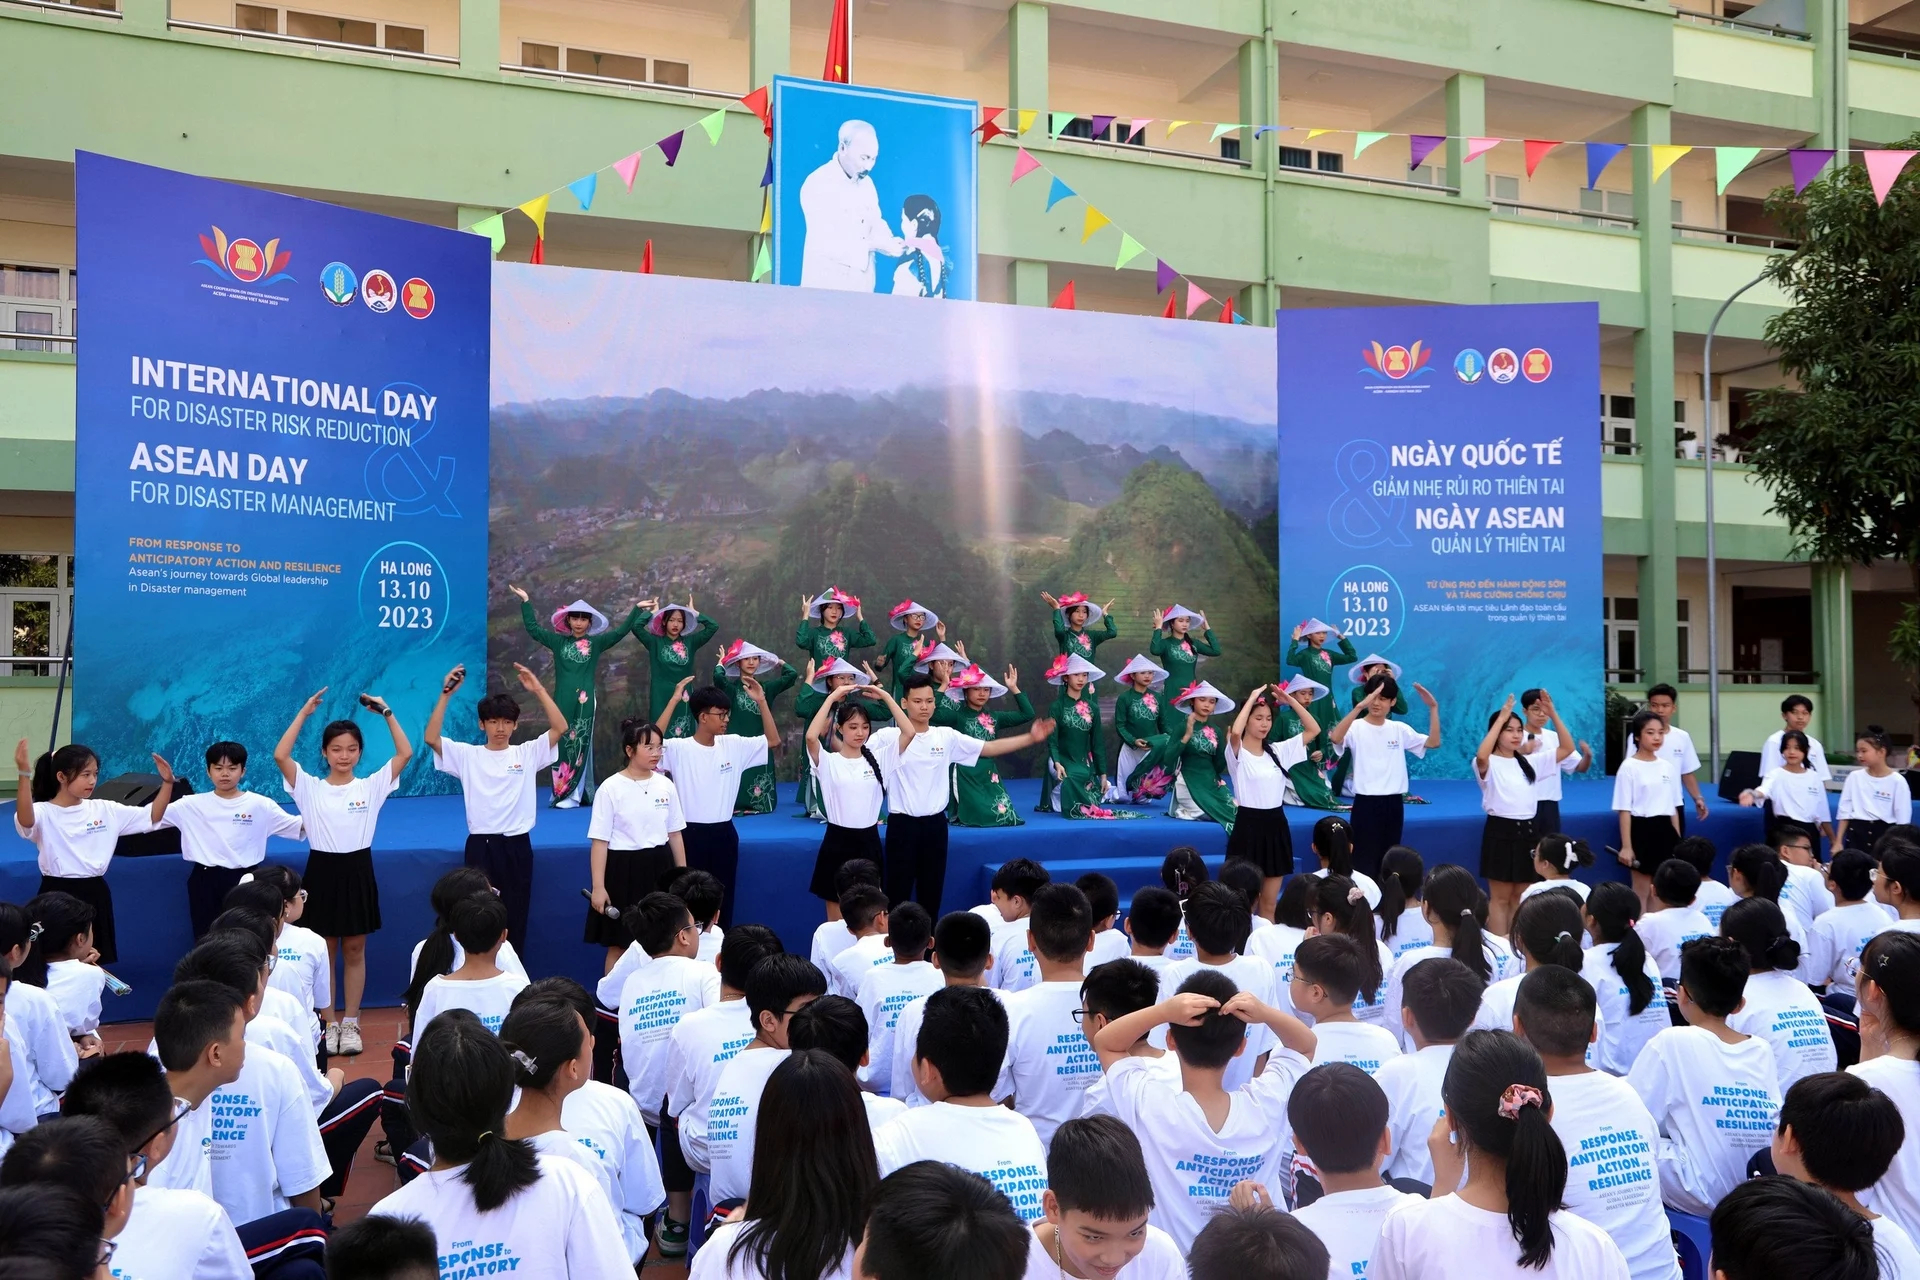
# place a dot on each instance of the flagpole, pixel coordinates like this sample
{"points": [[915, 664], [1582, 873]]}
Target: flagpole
{"points": [[849, 41]]}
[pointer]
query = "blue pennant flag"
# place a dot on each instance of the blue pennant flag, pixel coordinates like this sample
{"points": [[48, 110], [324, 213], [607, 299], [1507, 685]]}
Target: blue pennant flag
{"points": [[766, 179], [583, 189], [1599, 156], [1056, 192]]}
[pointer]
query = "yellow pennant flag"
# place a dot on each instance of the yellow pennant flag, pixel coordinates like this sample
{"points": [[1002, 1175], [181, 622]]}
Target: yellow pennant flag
{"points": [[1175, 124], [766, 213], [1026, 120], [536, 209], [1094, 221], [1314, 133], [1663, 157]]}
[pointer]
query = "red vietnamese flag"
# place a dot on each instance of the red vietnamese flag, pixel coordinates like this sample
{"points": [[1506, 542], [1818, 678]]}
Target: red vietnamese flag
{"points": [[839, 46], [1172, 298], [539, 257], [1063, 301], [646, 259]]}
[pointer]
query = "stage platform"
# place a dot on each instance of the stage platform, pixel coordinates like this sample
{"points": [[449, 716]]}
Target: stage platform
{"points": [[420, 838]]}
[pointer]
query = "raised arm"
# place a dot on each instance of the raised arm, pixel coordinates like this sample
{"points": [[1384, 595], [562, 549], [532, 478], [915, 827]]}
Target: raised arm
{"points": [[1039, 731], [1113, 1041], [531, 621], [165, 794], [1433, 716], [556, 718], [1339, 732], [1344, 654], [1485, 750], [817, 726], [283, 749], [402, 749], [1560, 729], [1289, 1030], [665, 717], [1204, 643], [23, 794], [1240, 720], [759, 695], [439, 713]]}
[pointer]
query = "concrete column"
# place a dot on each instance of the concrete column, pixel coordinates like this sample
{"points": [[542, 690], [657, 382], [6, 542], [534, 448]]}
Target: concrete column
{"points": [[1827, 20], [480, 38], [1466, 118], [770, 40], [1259, 104], [1027, 283], [1653, 402], [1027, 58], [1833, 655]]}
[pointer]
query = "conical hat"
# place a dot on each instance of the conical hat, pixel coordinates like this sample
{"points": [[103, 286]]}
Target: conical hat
{"points": [[594, 628], [1201, 689], [939, 653], [974, 677], [832, 595], [1072, 664], [730, 660], [838, 667], [1371, 660], [1198, 620], [658, 622], [1303, 684], [1078, 599], [898, 614], [1141, 662]]}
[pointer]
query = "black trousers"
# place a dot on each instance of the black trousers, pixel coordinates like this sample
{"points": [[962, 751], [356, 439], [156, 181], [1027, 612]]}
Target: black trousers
{"points": [[1377, 822], [93, 891], [508, 863], [344, 1125], [289, 1245], [714, 847], [207, 888], [916, 867], [607, 1067], [675, 1173]]}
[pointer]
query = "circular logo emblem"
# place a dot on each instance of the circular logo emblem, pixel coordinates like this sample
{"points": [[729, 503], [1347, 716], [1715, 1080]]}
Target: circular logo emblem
{"points": [[338, 282], [245, 261], [1537, 365], [1396, 362], [1469, 365], [379, 292], [1503, 366], [417, 297]]}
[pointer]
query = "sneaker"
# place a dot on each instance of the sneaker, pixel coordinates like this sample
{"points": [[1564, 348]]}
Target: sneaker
{"points": [[671, 1239], [350, 1042], [333, 1038]]}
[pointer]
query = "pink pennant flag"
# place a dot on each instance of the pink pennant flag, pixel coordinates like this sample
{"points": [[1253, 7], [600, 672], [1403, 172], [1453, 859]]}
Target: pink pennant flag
{"points": [[1420, 146], [1883, 167], [1023, 164], [1807, 162], [670, 146], [1163, 275], [627, 168], [1196, 298], [1477, 147]]}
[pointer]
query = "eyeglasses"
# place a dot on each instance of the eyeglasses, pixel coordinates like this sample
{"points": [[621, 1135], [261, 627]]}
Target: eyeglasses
{"points": [[136, 1166], [106, 1253], [1079, 1014], [180, 1109], [301, 896]]}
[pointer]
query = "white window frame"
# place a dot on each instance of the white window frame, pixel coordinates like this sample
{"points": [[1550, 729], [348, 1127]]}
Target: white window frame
{"points": [[380, 25], [60, 597], [64, 310]]}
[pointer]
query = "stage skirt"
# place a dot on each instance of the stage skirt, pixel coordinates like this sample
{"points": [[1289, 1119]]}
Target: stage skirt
{"points": [[632, 874], [1653, 841], [839, 846], [1260, 836], [343, 898], [1506, 850]]}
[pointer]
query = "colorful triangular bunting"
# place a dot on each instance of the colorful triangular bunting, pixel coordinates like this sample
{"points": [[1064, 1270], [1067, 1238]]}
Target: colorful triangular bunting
{"points": [[646, 259], [1537, 149], [670, 146], [1663, 155], [1599, 156], [1226, 312], [1363, 140], [494, 229], [1101, 124], [1063, 301], [1023, 164], [766, 213], [1221, 130], [1883, 168], [766, 178], [1806, 163], [1729, 162], [1163, 275], [1129, 250], [763, 264], [1420, 146], [1173, 300], [1477, 147], [583, 189], [536, 209], [1058, 120], [759, 103], [1057, 191], [1196, 298], [1094, 221], [713, 122], [627, 167], [1026, 120]]}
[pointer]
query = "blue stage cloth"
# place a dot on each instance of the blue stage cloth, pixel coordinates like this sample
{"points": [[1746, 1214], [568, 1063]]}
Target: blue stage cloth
{"points": [[420, 838]]}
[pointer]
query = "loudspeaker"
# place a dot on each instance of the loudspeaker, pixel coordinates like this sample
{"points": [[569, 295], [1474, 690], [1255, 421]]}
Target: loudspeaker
{"points": [[139, 789], [1741, 772]]}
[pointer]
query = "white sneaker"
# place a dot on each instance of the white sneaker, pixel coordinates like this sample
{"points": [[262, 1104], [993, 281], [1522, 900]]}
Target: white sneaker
{"points": [[350, 1042], [333, 1038]]}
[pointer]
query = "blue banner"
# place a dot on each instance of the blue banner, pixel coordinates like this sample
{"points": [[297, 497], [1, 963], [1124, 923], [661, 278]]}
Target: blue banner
{"points": [[1440, 504], [281, 467]]}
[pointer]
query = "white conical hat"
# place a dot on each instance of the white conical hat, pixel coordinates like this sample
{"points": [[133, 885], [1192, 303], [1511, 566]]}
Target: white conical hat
{"points": [[1201, 689], [1078, 600], [832, 595], [730, 659], [1304, 684], [1312, 625], [974, 677], [1199, 620], [594, 628], [1072, 664], [1372, 660], [898, 614], [689, 617], [939, 653], [838, 667], [1141, 662]]}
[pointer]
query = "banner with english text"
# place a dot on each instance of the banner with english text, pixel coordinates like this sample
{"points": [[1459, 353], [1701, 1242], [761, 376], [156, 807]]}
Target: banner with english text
{"points": [[281, 469], [1439, 503]]}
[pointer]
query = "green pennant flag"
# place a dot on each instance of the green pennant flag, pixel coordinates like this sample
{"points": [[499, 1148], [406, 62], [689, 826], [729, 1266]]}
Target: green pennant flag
{"points": [[763, 265], [1129, 250], [1221, 130], [1058, 120], [1361, 141], [494, 229], [1728, 162], [713, 124]]}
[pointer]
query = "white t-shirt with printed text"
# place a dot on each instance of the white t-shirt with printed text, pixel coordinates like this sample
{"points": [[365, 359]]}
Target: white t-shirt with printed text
{"points": [[1715, 1104], [218, 831], [999, 1145], [1613, 1178], [652, 1002], [560, 1228]]}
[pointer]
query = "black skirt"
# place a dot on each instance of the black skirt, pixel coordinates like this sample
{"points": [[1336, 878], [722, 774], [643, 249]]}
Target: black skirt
{"points": [[93, 891], [1506, 850], [632, 874], [1260, 836], [1653, 841], [343, 898], [839, 846], [1861, 833]]}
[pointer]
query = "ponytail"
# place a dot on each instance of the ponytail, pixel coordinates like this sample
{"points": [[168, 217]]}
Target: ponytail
{"points": [[1519, 757], [1346, 902], [1547, 927], [436, 953], [541, 1035], [71, 760], [457, 1092], [1563, 852], [1497, 1093], [1182, 869], [55, 919], [1400, 873], [1457, 904], [1760, 928], [1333, 841], [1614, 908], [1761, 868]]}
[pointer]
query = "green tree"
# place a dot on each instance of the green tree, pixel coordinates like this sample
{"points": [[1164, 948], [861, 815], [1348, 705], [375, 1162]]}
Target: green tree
{"points": [[1842, 452]]}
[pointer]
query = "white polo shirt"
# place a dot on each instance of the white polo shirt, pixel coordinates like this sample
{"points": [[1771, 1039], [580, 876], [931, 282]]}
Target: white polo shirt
{"points": [[498, 786], [917, 781], [217, 831], [709, 777]]}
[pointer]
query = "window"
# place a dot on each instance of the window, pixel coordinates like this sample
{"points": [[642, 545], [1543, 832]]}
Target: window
{"points": [[36, 602], [1616, 204], [1503, 188], [319, 26], [1616, 424], [1622, 621], [1229, 148], [1296, 158], [673, 73], [404, 39], [37, 298], [545, 57], [302, 25], [1329, 162], [251, 17], [1686, 636], [612, 66]]}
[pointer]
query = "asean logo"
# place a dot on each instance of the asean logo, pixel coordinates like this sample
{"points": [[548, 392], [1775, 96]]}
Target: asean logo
{"points": [[379, 292], [1469, 365], [1396, 363], [416, 295], [1537, 365], [243, 259], [338, 282], [1503, 366]]}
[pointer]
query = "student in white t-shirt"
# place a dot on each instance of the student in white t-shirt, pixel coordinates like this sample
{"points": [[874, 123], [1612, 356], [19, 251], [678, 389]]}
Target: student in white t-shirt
{"points": [[1275, 946], [553, 1057], [1805, 896], [778, 987], [850, 783], [1796, 713], [1440, 998], [1009, 901], [938, 1221], [1258, 767], [1779, 1008], [1677, 746], [1889, 997], [492, 1200], [833, 936], [1341, 905], [961, 1042], [963, 952], [1508, 766], [1874, 798], [440, 952], [705, 896], [1253, 1240], [1110, 941], [300, 968], [1555, 858], [1456, 910], [1839, 1133], [1202, 1141], [659, 993], [1340, 1117], [1049, 1060], [1401, 925], [1793, 791], [864, 908], [479, 985], [34, 1025], [1505, 1220], [1837, 938], [633, 838], [75, 834], [1547, 930], [80, 1155], [1676, 918], [1217, 924], [1643, 792], [1536, 708], [1711, 1089], [61, 961], [886, 989], [1609, 1135], [1771, 1227], [706, 769], [223, 832], [291, 999], [1329, 972], [1633, 1005], [835, 1025], [1715, 896], [1898, 886], [1112, 991], [1379, 748], [199, 1033], [1154, 922], [1098, 1202]]}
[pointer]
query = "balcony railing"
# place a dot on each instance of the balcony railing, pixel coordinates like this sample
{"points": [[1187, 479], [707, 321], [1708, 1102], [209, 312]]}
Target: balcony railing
{"points": [[1300, 172], [275, 37], [1740, 24], [55, 6], [1743, 675], [1129, 148], [1755, 239], [35, 341], [1555, 213], [30, 667], [617, 82], [1884, 50]]}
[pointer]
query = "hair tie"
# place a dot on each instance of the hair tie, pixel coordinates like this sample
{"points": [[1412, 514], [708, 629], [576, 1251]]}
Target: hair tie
{"points": [[1355, 894], [527, 1064], [1465, 912], [1562, 936], [1517, 1096], [483, 1137], [35, 931]]}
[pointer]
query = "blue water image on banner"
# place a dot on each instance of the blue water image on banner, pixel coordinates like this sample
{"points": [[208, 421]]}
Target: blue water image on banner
{"points": [[1440, 503], [874, 190], [280, 468]]}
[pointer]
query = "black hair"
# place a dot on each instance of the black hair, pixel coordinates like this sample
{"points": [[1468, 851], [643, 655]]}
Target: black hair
{"points": [[126, 1090], [936, 1221], [1118, 988], [777, 981], [563, 989], [1061, 923], [15, 928], [83, 1153], [1339, 897], [190, 1016], [924, 212], [861, 905], [813, 1173], [701, 891], [436, 952], [636, 730], [1663, 690], [1615, 907], [1760, 928], [1700, 851], [541, 1035], [1095, 1166], [918, 680], [1875, 735], [1333, 841], [962, 944], [1563, 852], [261, 926], [1848, 1131], [832, 1024], [1641, 719], [1713, 972], [479, 923], [1256, 1244], [342, 729], [1020, 878], [1526, 766], [59, 918], [1381, 682], [1891, 960], [1444, 996], [744, 948], [498, 706], [1899, 862], [963, 1035], [1103, 895], [854, 711], [1183, 868], [1241, 874], [709, 697], [1770, 1227], [852, 872], [230, 752], [1153, 917], [1338, 1112], [1294, 907], [909, 931], [1219, 918], [1676, 882], [48, 1230], [655, 921], [1211, 1043], [457, 1092], [285, 879], [1556, 1008], [71, 760], [1401, 871], [1454, 898], [378, 1247], [1333, 961], [1795, 738], [232, 959], [1487, 1069], [1548, 928], [1793, 700], [258, 897]]}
